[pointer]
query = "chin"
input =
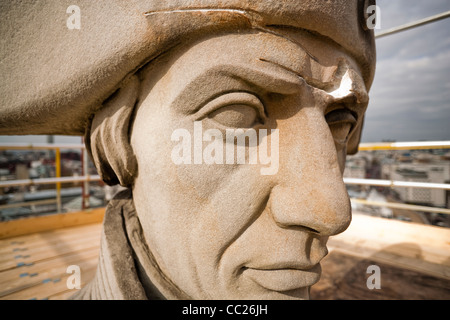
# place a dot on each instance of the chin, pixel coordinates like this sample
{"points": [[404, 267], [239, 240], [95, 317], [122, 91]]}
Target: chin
{"points": [[261, 293]]}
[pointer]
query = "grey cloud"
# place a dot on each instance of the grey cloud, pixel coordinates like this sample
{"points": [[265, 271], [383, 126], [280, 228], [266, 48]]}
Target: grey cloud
{"points": [[410, 97]]}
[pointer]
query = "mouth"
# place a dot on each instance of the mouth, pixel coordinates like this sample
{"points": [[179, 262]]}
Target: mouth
{"points": [[284, 279]]}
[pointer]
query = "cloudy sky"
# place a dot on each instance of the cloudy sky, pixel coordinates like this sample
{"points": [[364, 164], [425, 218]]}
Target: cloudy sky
{"points": [[410, 97]]}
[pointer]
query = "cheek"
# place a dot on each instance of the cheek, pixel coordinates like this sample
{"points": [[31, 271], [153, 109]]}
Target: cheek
{"points": [[224, 218], [219, 205], [189, 213]]}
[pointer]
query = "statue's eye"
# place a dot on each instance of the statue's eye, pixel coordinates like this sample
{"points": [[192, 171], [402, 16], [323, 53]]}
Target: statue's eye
{"points": [[236, 115], [236, 110], [341, 123]]}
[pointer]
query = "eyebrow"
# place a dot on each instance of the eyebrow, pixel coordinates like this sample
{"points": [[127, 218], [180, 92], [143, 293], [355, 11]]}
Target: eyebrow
{"points": [[295, 73], [279, 82], [231, 78], [309, 80]]}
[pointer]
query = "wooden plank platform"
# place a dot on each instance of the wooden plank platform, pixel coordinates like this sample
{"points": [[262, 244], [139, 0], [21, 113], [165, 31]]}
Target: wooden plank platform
{"points": [[345, 276], [414, 261], [34, 266]]}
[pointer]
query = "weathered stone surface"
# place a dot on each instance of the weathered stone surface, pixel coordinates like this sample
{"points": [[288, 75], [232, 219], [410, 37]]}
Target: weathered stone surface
{"points": [[158, 87]]}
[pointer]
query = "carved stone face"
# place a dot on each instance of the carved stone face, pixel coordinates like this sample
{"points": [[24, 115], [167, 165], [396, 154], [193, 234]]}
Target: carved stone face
{"points": [[226, 231]]}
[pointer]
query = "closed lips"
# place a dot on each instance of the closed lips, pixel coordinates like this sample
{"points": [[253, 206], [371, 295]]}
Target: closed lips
{"points": [[284, 279]]}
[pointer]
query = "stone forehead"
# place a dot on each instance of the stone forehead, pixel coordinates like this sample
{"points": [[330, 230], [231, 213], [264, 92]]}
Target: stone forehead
{"points": [[58, 77]]}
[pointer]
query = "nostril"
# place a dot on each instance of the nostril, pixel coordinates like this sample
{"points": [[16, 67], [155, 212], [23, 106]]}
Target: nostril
{"points": [[299, 228], [311, 230]]}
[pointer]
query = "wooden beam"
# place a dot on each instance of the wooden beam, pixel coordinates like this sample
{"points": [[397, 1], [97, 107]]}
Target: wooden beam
{"points": [[48, 237], [31, 225]]}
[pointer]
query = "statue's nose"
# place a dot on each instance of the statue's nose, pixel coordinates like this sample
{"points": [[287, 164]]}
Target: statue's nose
{"points": [[310, 192]]}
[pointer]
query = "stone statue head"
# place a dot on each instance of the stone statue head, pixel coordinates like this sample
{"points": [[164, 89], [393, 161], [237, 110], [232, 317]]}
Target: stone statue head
{"points": [[230, 123]]}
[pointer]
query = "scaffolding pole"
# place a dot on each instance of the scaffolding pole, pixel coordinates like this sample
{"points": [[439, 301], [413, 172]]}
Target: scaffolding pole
{"points": [[414, 24]]}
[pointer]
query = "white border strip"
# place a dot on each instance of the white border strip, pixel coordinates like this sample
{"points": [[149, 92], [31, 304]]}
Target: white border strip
{"points": [[400, 206], [401, 184]]}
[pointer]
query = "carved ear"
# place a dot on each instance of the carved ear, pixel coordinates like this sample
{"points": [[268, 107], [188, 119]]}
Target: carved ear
{"points": [[353, 143], [107, 140]]}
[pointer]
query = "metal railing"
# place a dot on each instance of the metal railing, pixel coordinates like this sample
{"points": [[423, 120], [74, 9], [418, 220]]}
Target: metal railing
{"points": [[417, 145], [421, 145], [58, 180], [413, 24]]}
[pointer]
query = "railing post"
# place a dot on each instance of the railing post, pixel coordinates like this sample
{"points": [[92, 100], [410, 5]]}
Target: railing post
{"points": [[85, 189], [58, 175]]}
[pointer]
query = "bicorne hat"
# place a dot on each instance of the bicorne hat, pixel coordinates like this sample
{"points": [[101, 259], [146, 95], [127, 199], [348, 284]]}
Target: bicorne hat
{"points": [[53, 78]]}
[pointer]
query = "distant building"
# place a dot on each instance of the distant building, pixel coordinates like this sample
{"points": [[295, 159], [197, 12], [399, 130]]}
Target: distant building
{"points": [[423, 171], [355, 167]]}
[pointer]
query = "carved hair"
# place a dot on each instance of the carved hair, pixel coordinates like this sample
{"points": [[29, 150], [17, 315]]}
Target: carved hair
{"points": [[107, 138]]}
